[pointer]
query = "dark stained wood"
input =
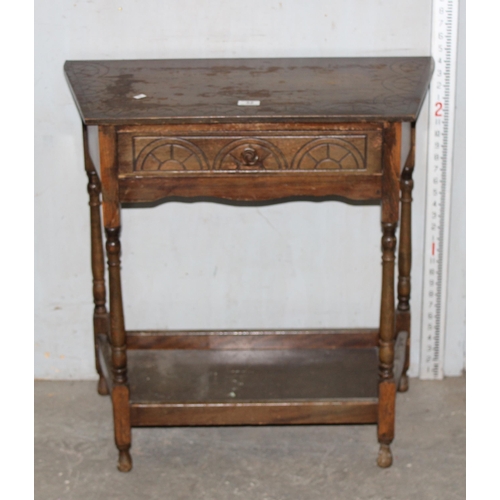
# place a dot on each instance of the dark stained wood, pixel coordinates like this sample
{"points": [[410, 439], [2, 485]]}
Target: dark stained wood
{"points": [[386, 419], [267, 339], [200, 376], [391, 157], [290, 412], [120, 391], [117, 325], [121, 417], [387, 319], [290, 128], [170, 149], [404, 256], [386, 408], [202, 90], [142, 188], [403, 315], [109, 177], [159, 400], [387, 386], [101, 318], [323, 127], [251, 163]]}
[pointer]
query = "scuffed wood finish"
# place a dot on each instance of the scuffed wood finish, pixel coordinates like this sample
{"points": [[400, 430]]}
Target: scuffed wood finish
{"points": [[101, 318], [324, 127], [208, 90], [266, 339], [252, 387], [216, 376], [403, 315]]}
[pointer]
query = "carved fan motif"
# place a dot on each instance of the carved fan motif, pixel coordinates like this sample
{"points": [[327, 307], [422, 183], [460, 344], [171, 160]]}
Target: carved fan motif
{"points": [[174, 155], [253, 154], [329, 154]]}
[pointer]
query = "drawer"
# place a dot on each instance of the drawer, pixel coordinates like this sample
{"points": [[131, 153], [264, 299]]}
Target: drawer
{"points": [[353, 152], [249, 161]]}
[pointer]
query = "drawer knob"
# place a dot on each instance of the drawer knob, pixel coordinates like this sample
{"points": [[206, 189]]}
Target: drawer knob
{"points": [[250, 157]]}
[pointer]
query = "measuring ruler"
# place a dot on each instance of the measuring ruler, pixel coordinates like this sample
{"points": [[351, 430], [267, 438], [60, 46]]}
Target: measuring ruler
{"points": [[439, 170]]}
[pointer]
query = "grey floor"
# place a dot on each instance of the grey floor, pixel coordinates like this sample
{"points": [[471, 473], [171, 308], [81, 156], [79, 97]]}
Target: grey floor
{"points": [[75, 457]]}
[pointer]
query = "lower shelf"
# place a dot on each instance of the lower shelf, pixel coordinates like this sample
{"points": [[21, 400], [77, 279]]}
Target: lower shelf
{"points": [[200, 387], [197, 376]]}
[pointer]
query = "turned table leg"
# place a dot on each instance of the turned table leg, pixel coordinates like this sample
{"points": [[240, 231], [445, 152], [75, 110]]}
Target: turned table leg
{"points": [[120, 392], [100, 319], [390, 218], [403, 315], [387, 387]]}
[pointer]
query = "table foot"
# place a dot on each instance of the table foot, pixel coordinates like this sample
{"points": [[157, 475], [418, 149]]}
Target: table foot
{"points": [[403, 383], [384, 458], [124, 461], [102, 386]]}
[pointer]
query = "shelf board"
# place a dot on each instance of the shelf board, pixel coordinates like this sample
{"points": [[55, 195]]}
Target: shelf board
{"points": [[195, 376], [179, 387]]}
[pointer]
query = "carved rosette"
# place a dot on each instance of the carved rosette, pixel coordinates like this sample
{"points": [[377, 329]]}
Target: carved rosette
{"points": [[250, 154], [174, 155], [329, 154]]}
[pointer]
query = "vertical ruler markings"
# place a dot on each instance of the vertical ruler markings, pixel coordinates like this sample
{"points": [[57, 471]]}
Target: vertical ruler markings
{"points": [[439, 169]]}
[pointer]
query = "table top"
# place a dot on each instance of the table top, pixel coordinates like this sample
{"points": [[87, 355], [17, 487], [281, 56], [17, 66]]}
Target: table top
{"points": [[242, 90]]}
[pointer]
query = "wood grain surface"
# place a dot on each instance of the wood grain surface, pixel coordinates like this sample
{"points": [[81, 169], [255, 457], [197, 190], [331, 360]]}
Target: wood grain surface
{"points": [[208, 90], [215, 376]]}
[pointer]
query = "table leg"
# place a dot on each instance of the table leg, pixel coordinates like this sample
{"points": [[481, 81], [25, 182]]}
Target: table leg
{"points": [[387, 388], [101, 318], [390, 218], [120, 392], [403, 315]]}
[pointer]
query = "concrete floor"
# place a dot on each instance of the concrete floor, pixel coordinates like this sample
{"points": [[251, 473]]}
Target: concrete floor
{"points": [[75, 456]]}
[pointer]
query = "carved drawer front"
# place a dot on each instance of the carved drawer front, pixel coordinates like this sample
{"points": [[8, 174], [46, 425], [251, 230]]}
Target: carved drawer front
{"points": [[346, 152]]}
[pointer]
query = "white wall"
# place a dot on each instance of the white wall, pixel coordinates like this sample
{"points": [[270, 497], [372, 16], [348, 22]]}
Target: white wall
{"points": [[207, 265]]}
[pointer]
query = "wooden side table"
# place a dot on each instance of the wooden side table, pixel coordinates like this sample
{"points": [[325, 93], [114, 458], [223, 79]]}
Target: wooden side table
{"points": [[251, 129]]}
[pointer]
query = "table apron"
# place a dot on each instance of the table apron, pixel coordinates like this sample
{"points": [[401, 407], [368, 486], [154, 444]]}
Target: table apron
{"points": [[249, 187]]}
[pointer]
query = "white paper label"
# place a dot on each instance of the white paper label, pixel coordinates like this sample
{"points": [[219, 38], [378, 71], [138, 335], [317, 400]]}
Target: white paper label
{"points": [[248, 103]]}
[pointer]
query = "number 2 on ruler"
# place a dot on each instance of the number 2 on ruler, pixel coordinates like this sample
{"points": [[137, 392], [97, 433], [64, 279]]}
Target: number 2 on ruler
{"points": [[443, 48]]}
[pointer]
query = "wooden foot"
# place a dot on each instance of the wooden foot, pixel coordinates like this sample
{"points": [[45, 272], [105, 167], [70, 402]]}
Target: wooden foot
{"points": [[403, 383], [384, 458], [124, 461], [102, 386]]}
